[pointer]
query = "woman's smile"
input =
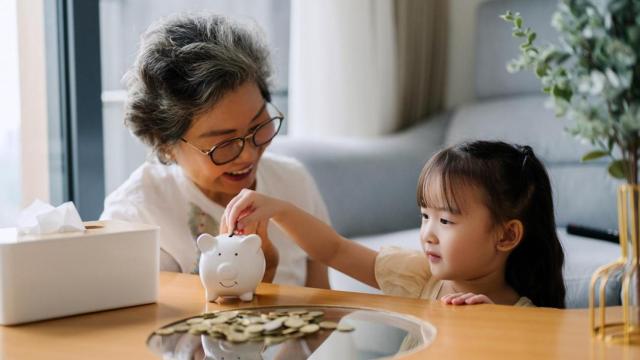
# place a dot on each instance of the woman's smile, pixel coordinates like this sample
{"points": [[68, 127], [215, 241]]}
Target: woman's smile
{"points": [[239, 175]]}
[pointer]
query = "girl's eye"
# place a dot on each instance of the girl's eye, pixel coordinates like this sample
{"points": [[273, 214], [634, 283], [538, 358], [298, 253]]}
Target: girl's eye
{"points": [[445, 222], [425, 217]]}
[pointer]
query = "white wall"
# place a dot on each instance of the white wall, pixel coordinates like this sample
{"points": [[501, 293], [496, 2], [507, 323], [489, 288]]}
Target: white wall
{"points": [[460, 75], [33, 92]]}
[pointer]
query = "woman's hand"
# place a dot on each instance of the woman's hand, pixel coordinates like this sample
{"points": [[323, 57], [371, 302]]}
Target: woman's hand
{"points": [[465, 299], [271, 254]]}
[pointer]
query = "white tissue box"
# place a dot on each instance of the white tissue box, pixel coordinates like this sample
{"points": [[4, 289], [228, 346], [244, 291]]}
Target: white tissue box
{"points": [[110, 265]]}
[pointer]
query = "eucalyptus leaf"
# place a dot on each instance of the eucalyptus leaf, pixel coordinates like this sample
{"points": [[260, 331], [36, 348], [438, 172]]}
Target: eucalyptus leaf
{"points": [[518, 22], [593, 155], [616, 169]]}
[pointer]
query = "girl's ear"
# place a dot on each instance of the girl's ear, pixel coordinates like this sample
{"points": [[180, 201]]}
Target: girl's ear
{"points": [[511, 236]]}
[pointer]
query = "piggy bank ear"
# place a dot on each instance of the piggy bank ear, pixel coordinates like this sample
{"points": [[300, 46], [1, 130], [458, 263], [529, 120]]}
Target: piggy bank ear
{"points": [[206, 242], [252, 242]]}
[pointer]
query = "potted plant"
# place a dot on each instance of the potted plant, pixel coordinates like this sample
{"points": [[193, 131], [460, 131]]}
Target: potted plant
{"points": [[592, 77]]}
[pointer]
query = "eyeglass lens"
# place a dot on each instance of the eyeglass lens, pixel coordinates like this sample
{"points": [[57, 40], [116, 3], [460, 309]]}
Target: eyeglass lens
{"points": [[228, 151]]}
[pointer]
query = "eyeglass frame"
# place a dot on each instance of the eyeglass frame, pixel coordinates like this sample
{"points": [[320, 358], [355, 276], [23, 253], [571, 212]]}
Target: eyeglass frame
{"points": [[251, 135]]}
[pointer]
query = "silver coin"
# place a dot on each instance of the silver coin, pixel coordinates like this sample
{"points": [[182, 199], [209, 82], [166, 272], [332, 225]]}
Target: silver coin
{"points": [[289, 331], [195, 320], [294, 322], [310, 329], [165, 331], [255, 328], [328, 325], [274, 324], [345, 328]]}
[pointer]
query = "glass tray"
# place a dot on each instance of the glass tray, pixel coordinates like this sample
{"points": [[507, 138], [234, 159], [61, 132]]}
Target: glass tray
{"points": [[375, 334]]}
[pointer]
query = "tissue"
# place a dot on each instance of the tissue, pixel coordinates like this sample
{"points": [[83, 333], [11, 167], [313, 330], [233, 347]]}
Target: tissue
{"points": [[43, 218]]}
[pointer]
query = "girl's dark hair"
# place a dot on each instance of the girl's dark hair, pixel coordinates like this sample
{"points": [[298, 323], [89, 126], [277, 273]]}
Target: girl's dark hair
{"points": [[516, 186]]}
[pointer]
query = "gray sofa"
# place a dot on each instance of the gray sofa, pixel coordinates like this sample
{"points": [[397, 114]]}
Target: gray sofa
{"points": [[369, 185]]}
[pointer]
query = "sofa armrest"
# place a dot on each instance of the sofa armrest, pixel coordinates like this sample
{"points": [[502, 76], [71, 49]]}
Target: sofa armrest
{"points": [[369, 185]]}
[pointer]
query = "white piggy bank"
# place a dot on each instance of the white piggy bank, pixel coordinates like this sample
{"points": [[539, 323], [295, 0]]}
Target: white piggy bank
{"points": [[231, 266]]}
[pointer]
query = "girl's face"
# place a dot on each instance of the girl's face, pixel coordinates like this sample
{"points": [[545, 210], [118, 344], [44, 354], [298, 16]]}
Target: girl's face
{"points": [[235, 115], [460, 244]]}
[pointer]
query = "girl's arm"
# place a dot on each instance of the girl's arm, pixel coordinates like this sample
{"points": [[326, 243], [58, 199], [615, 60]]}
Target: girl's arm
{"points": [[315, 237]]}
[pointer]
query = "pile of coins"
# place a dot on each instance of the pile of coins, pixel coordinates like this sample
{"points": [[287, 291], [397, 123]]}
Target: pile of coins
{"points": [[249, 325]]}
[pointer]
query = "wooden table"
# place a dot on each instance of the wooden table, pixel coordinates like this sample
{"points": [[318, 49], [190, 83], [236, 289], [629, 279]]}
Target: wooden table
{"points": [[465, 332]]}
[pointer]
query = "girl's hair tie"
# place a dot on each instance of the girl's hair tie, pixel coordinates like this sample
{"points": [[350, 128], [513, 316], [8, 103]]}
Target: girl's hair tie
{"points": [[527, 152]]}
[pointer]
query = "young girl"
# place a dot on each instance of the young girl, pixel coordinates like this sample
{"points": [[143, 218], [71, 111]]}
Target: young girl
{"points": [[488, 232]]}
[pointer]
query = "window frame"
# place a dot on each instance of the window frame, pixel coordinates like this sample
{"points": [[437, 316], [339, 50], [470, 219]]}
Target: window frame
{"points": [[75, 106]]}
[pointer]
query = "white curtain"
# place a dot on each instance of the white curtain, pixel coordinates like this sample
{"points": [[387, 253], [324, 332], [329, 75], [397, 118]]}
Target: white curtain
{"points": [[342, 71], [365, 67]]}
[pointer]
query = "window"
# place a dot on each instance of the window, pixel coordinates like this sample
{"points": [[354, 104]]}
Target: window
{"points": [[121, 24], [10, 195]]}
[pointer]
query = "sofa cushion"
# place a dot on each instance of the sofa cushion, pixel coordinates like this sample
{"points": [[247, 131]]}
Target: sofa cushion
{"points": [[582, 257], [519, 119]]}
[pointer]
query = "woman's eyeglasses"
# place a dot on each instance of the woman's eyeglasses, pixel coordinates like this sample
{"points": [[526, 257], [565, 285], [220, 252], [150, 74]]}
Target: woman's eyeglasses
{"points": [[228, 150]]}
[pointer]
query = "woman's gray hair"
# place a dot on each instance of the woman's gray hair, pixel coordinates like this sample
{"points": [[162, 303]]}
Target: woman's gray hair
{"points": [[185, 65]]}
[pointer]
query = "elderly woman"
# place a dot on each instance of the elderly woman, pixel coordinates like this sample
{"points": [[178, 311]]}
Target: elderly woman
{"points": [[198, 95]]}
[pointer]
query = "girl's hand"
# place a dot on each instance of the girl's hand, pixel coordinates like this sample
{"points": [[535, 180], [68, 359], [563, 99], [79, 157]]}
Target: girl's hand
{"points": [[249, 208], [271, 254], [465, 299]]}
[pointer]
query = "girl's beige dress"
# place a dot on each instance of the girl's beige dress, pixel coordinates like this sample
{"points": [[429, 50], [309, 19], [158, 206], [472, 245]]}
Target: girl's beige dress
{"points": [[403, 272]]}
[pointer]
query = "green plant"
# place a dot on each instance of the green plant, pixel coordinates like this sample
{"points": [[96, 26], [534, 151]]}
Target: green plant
{"points": [[592, 75]]}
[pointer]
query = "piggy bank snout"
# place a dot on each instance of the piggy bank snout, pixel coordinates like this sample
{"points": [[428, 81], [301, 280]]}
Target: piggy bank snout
{"points": [[227, 271]]}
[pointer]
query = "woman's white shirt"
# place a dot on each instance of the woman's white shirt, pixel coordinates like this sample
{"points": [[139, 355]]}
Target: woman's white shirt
{"points": [[162, 195]]}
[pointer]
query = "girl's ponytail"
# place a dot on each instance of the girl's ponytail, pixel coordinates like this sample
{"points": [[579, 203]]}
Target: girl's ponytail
{"points": [[534, 268]]}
